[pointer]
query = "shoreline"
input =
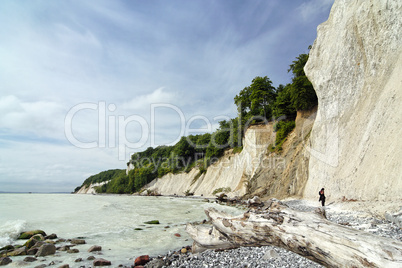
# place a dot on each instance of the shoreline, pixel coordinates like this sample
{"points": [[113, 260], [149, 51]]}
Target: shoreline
{"points": [[354, 214], [363, 207]]}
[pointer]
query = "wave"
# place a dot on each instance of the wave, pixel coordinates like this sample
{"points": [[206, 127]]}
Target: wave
{"points": [[10, 230]]}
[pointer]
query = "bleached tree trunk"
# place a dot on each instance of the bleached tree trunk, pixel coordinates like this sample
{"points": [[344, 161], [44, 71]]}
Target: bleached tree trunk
{"points": [[308, 234]]}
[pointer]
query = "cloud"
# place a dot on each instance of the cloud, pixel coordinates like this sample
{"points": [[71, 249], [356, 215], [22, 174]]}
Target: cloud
{"points": [[311, 9], [143, 102], [31, 117]]}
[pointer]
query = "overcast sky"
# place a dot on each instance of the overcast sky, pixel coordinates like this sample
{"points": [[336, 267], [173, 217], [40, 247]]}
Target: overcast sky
{"points": [[84, 84]]}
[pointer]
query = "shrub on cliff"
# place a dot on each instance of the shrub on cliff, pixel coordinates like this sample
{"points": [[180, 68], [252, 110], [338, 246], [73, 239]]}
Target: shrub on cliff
{"points": [[283, 128]]}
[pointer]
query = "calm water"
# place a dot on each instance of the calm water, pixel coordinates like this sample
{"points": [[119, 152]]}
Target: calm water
{"points": [[105, 220]]}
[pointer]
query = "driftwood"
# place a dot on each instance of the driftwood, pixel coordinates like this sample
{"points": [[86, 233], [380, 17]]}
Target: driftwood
{"points": [[308, 234]]}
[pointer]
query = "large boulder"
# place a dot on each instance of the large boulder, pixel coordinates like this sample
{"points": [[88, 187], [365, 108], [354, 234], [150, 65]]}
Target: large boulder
{"points": [[46, 249], [29, 234], [355, 66], [33, 240]]}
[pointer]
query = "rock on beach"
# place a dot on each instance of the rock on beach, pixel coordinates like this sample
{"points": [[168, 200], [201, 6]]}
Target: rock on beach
{"points": [[95, 248], [78, 241], [101, 262], [46, 249], [18, 252], [141, 260], [5, 261], [29, 234]]}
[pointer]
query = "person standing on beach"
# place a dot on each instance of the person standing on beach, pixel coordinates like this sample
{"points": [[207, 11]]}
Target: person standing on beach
{"points": [[322, 197]]}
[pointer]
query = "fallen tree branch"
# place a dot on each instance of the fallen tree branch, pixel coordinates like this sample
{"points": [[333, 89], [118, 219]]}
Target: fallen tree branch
{"points": [[308, 234]]}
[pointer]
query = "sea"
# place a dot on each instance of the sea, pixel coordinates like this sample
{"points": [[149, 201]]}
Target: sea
{"points": [[114, 222]]}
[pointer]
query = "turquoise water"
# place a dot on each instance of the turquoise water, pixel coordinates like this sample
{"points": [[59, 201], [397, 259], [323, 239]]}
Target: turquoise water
{"points": [[105, 220]]}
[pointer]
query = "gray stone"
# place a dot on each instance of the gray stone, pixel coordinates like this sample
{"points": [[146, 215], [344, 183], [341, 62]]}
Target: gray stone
{"points": [[51, 236], [30, 259], [46, 249], [155, 263], [5, 261], [95, 248], [64, 248], [32, 251], [39, 244], [73, 250], [101, 262], [78, 241]]}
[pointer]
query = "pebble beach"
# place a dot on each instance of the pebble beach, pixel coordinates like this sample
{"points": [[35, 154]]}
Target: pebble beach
{"points": [[269, 256]]}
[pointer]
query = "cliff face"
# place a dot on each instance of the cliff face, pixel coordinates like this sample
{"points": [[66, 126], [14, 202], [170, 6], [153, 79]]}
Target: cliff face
{"points": [[91, 188], [355, 66], [254, 171], [231, 172], [284, 174]]}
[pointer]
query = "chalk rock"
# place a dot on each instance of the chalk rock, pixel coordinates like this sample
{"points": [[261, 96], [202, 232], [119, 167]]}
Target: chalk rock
{"points": [[270, 254], [355, 66]]}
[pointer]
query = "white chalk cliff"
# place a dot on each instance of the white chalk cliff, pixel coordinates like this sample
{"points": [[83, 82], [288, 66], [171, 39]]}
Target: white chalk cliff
{"points": [[90, 189], [355, 66], [231, 172]]}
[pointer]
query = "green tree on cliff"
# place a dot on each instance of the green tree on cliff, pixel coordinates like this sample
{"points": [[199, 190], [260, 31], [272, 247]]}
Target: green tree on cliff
{"points": [[301, 90], [283, 106], [256, 100]]}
